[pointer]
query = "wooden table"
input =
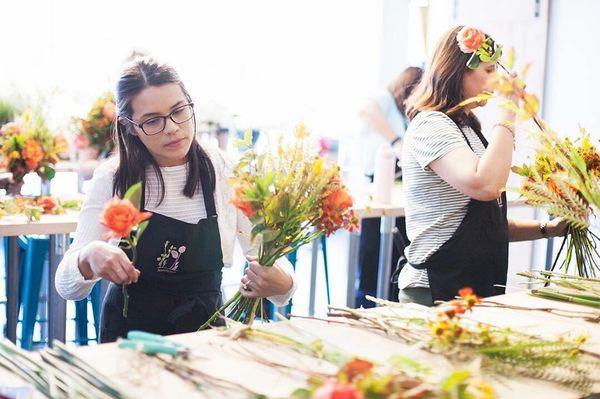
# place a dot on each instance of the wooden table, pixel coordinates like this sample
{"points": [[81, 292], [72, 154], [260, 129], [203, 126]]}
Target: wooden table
{"points": [[141, 377], [58, 228]]}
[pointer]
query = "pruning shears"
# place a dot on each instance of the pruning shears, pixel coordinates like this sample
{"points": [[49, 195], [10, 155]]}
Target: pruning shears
{"points": [[155, 344]]}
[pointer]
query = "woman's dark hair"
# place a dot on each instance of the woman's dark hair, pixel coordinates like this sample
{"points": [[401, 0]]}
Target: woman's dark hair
{"points": [[403, 85], [134, 157], [441, 86]]}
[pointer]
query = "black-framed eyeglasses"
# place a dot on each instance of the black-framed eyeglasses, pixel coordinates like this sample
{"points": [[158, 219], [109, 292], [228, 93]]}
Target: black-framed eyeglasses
{"points": [[157, 124]]}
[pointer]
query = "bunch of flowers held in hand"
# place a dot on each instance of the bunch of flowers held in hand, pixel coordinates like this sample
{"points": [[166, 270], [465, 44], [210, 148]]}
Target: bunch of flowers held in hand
{"points": [[292, 196]]}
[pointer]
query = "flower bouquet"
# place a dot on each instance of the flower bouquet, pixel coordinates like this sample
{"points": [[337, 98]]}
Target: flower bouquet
{"points": [[547, 185], [95, 130], [27, 145], [292, 197]]}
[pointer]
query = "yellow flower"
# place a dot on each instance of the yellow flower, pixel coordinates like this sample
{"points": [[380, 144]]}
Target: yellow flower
{"points": [[14, 155], [479, 389], [301, 131]]}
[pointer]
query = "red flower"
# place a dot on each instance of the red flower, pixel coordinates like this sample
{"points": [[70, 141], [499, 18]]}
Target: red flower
{"points": [[470, 39], [120, 216], [336, 390], [48, 203], [463, 292], [356, 367]]}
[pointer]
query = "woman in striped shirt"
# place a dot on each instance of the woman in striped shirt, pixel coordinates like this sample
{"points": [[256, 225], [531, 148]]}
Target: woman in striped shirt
{"points": [[453, 180]]}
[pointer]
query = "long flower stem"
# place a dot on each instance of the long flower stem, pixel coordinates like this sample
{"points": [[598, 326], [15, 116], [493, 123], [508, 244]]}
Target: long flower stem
{"points": [[124, 286]]}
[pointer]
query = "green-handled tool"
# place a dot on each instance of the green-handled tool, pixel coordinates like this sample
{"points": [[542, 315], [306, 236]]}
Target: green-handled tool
{"points": [[155, 344]]}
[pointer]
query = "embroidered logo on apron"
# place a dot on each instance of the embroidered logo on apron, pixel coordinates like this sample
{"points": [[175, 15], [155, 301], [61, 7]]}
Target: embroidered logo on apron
{"points": [[168, 261]]}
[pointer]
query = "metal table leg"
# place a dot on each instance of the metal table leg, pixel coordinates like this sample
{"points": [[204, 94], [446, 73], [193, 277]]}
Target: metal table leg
{"points": [[12, 289], [57, 306], [352, 265], [385, 257]]}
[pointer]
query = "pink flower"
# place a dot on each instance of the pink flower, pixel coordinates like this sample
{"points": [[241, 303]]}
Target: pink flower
{"points": [[470, 39], [337, 390], [81, 141], [10, 129], [109, 111]]}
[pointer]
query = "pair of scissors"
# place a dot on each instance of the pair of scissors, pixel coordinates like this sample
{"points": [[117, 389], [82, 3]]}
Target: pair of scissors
{"points": [[155, 344]]}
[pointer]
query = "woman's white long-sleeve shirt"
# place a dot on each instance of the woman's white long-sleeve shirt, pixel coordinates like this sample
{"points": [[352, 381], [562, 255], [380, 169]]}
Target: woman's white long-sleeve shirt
{"points": [[69, 282]]}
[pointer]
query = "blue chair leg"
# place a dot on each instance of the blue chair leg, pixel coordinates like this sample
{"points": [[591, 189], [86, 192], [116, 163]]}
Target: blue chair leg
{"points": [[81, 321], [324, 250], [96, 296], [33, 269]]}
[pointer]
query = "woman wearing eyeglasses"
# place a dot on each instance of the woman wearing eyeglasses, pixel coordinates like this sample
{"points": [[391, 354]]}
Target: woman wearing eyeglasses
{"points": [[175, 285]]}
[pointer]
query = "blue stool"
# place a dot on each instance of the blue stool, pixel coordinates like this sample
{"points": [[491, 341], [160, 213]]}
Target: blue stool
{"points": [[35, 250], [293, 258]]}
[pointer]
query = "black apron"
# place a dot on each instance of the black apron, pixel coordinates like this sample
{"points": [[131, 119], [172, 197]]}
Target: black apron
{"points": [[179, 287], [476, 255]]}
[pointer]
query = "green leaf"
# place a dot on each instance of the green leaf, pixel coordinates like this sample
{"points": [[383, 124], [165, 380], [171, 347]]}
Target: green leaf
{"points": [[134, 194], [301, 393], [49, 172], [141, 227], [455, 379], [473, 62], [257, 229], [269, 235]]}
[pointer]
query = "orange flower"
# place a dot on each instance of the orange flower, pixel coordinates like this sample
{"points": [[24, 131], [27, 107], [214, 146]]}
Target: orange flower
{"points": [[338, 199], [239, 202], [356, 367], [470, 39], [468, 297], [32, 153], [109, 111], [120, 216], [48, 203]]}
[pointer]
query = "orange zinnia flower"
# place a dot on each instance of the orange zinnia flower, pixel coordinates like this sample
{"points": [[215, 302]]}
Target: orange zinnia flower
{"points": [[121, 216], [32, 153]]}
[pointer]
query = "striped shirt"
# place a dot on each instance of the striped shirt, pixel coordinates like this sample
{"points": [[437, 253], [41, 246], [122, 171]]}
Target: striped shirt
{"points": [[434, 209], [175, 205]]}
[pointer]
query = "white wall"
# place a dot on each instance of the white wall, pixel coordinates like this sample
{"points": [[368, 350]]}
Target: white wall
{"points": [[271, 62], [573, 66]]}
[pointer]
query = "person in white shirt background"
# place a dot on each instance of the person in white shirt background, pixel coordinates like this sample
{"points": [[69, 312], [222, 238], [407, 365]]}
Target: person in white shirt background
{"points": [[383, 122], [185, 187]]}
